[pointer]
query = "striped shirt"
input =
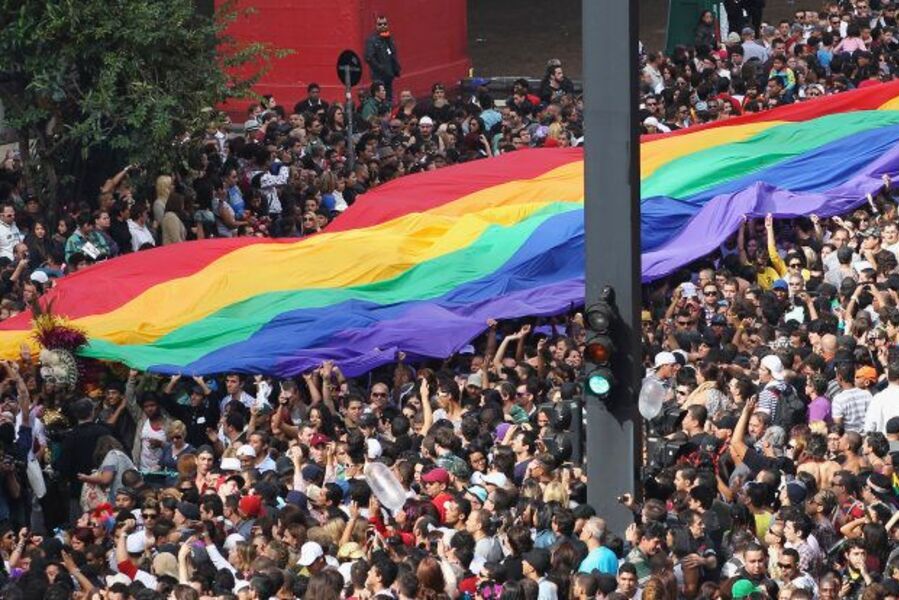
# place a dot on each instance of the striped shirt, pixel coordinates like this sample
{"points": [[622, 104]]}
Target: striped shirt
{"points": [[850, 406]]}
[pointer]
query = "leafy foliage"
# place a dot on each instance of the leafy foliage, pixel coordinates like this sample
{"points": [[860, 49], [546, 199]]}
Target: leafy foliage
{"points": [[137, 79]]}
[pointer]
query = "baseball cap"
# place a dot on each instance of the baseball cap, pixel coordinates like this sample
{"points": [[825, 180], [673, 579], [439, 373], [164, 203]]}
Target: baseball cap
{"points": [[478, 492], [230, 464], [743, 588], [866, 372], [319, 439], [438, 475], [251, 505], [136, 542], [309, 553], [796, 492], [780, 284], [497, 479], [39, 277], [773, 364], [426, 120], [664, 358], [190, 510], [246, 451]]}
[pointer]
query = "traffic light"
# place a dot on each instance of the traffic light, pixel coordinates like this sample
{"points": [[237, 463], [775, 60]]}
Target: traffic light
{"points": [[601, 320]]}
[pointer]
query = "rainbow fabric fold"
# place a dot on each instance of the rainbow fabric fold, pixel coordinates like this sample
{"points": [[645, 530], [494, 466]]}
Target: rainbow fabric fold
{"points": [[418, 265], [819, 157], [421, 263]]}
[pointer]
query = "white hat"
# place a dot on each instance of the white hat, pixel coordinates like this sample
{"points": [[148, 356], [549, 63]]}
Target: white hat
{"points": [[111, 580], [231, 464], [136, 542], [309, 553], [773, 364], [497, 479], [231, 541], [653, 122], [39, 277], [426, 120], [373, 449], [664, 358], [246, 450]]}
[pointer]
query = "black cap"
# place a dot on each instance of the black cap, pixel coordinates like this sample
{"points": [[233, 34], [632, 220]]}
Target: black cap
{"points": [[190, 511], [726, 421], [284, 466]]}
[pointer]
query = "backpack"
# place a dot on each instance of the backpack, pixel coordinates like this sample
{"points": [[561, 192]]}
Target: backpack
{"points": [[790, 410]]}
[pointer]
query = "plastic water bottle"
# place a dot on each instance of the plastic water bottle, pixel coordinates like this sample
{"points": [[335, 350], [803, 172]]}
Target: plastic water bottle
{"points": [[385, 486]]}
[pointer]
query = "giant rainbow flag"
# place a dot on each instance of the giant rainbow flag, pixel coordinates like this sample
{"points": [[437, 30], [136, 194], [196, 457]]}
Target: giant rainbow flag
{"points": [[421, 263]]}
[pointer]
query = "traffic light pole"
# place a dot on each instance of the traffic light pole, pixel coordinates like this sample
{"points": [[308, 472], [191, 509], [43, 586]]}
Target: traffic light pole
{"points": [[612, 226]]}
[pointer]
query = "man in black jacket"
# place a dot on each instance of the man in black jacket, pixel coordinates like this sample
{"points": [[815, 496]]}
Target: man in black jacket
{"points": [[199, 415], [380, 54], [77, 453]]}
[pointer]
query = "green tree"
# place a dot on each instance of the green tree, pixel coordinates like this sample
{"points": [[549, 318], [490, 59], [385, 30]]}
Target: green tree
{"points": [[133, 79]]}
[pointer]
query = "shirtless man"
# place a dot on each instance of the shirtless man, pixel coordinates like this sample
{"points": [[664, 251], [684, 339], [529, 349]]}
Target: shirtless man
{"points": [[850, 446], [818, 466]]}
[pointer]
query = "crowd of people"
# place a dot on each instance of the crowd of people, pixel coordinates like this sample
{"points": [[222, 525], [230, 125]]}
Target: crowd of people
{"points": [[769, 471]]}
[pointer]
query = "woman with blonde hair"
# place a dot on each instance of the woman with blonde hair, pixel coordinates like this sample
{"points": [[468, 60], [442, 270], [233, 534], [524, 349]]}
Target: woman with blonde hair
{"points": [[556, 492], [164, 186], [175, 446]]}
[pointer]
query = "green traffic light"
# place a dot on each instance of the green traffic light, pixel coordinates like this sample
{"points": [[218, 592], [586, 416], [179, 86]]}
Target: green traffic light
{"points": [[599, 384]]}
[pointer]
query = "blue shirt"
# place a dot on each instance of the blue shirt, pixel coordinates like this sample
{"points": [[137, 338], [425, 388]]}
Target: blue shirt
{"points": [[235, 199], [600, 559]]}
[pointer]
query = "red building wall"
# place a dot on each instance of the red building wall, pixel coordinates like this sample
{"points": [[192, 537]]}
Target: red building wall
{"points": [[431, 39]]}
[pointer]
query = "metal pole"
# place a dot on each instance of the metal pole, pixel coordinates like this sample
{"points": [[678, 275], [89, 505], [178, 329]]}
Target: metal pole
{"points": [[612, 226], [350, 148]]}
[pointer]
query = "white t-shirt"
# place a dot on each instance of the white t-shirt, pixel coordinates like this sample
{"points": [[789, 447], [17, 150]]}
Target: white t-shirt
{"points": [[150, 457], [140, 235]]}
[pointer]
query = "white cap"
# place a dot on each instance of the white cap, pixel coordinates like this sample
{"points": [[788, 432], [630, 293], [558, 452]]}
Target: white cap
{"points": [[231, 541], [136, 542], [426, 120], [40, 277], [664, 358], [231, 464], [773, 364], [246, 450], [497, 479], [373, 449], [689, 290], [111, 580], [309, 553]]}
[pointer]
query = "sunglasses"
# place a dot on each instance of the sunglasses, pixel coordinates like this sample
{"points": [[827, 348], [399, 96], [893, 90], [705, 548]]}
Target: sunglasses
{"points": [[149, 515], [710, 293], [785, 565]]}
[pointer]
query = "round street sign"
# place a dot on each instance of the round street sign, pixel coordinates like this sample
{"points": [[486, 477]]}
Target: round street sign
{"points": [[349, 61]]}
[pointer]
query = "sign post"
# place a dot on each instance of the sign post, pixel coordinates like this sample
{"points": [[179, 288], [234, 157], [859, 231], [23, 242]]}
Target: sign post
{"points": [[349, 71]]}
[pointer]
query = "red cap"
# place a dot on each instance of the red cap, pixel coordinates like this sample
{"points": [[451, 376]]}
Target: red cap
{"points": [[319, 439], [438, 475], [251, 506]]}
